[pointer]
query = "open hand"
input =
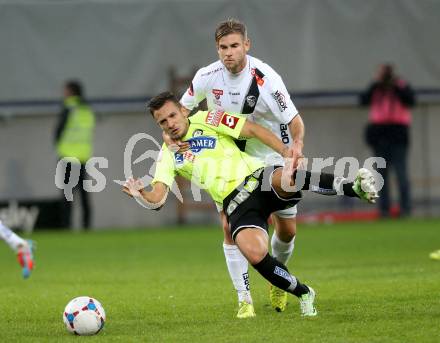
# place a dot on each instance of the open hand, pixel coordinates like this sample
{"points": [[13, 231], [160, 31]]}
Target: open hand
{"points": [[133, 187]]}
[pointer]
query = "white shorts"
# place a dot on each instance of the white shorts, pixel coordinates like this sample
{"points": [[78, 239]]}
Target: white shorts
{"points": [[287, 213]]}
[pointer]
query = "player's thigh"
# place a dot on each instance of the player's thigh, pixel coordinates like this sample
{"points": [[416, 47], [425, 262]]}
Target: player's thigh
{"points": [[285, 223]]}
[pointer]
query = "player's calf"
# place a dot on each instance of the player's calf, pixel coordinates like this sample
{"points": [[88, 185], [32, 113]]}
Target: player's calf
{"points": [[278, 275]]}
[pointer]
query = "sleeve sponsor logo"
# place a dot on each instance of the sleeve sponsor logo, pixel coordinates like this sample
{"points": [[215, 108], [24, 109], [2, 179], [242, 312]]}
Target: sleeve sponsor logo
{"points": [[284, 133], [280, 100], [230, 121], [213, 118]]}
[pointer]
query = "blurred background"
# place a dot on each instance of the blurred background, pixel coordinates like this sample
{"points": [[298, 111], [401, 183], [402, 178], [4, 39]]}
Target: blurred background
{"points": [[327, 53]]}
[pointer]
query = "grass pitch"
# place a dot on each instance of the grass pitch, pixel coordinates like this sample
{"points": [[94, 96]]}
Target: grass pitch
{"points": [[374, 283]]}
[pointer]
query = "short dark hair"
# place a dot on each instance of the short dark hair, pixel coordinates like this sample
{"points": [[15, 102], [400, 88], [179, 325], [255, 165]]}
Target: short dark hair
{"points": [[159, 100], [75, 87], [230, 26]]}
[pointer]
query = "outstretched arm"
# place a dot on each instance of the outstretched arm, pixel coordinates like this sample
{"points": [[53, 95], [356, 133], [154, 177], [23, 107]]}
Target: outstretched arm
{"points": [[253, 130], [153, 200]]}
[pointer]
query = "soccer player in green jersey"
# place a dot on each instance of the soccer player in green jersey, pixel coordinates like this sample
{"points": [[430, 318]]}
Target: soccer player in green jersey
{"points": [[246, 189]]}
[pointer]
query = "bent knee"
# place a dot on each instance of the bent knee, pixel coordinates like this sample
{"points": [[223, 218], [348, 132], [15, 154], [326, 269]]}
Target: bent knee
{"points": [[252, 244], [285, 228], [256, 257]]}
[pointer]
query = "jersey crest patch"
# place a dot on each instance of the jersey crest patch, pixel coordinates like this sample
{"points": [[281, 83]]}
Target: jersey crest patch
{"points": [[213, 118], [217, 93], [230, 121], [197, 133], [251, 100]]}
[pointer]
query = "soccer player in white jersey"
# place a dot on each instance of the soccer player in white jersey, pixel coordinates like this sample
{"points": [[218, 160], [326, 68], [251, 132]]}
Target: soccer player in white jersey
{"points": [[23, 249], [239, 83]]}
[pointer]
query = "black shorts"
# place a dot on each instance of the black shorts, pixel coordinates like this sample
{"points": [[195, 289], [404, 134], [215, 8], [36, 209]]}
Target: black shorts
{"points": [[251, 203]]}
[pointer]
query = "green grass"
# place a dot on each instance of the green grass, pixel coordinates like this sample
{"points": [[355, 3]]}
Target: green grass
{"points": [[374, 283]]}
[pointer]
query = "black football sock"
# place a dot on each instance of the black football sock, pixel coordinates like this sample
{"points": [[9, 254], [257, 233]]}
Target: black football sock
{"points": [[323, 183], [278, 275], [300, 289]]}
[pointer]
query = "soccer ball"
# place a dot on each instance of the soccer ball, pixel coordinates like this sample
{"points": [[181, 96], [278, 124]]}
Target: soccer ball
{"points": [[84, 316]]}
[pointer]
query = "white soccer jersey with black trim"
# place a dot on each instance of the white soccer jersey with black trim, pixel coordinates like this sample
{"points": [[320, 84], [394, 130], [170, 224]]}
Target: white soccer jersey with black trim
{"points": [[257, 92]]}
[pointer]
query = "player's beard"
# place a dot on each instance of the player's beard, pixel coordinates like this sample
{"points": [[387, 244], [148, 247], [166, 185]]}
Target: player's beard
{"points": [[181, 132], [237, 66]]}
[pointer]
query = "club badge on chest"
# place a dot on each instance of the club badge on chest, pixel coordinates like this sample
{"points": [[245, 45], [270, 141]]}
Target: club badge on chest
{"points": [[217, 96]]}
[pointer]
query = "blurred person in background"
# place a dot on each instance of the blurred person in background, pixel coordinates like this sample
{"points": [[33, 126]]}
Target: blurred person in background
{"points": [[23, 248], [435, 255], [390, 98], [74, 143]]}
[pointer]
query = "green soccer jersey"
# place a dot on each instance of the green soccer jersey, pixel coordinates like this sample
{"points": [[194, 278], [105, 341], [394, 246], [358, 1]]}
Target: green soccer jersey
{"points": [[213, 162]]}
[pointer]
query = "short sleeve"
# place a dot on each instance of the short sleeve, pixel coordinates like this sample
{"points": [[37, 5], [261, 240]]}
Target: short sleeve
{"points": [[165, 168], [195, 92], [277, 98], [222, 122]]}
